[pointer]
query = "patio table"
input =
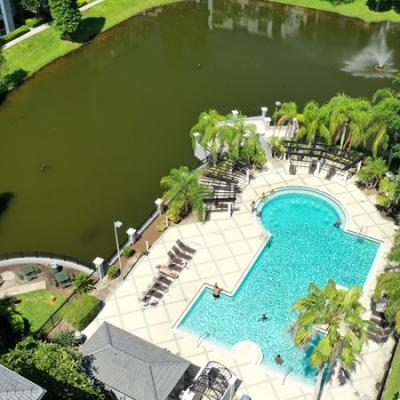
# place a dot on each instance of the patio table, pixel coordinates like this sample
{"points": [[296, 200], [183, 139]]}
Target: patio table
{"points": [[28, 271], [62, 278]]}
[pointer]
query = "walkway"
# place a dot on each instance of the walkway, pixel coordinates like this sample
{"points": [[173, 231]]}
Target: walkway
{"points": [[225, 249]]}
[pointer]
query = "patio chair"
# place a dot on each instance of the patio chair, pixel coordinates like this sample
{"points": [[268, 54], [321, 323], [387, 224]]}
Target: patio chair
{"points": [[181, 254]]}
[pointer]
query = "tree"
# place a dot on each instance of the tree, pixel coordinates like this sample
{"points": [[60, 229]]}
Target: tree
{"points": [[277, 146], [34, 6], [339, 313], [206, 128], [83, 283], [388, 286], [183, 191], [66, 17], [252, 151], [55, 368], [12, 324], [286, 113], [372, 171], [394, 254], [314, 124], [389, 193]]}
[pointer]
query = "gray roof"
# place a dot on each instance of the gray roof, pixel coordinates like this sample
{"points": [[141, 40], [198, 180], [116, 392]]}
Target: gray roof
{"points": [[132, 366], [16, 387]]}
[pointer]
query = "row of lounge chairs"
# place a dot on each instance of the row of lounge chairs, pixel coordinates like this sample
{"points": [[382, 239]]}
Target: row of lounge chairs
{"points": [[179, 256]]}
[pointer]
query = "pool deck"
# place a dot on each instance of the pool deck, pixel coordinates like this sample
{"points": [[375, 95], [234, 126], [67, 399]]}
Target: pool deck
{"points": [[225, 250]]}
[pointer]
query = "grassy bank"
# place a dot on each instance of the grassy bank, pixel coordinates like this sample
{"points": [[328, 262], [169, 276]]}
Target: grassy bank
{"points": [[393, 383], [30, 55], [357, 9]]}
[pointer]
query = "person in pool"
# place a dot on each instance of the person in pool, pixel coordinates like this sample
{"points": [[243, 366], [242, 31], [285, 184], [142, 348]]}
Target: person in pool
{"points": [[278, 359], [216, 291], [264, 318], [338, 223]]}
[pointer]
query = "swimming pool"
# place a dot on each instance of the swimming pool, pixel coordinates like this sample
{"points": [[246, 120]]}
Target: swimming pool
{"points": [[305, 247]]}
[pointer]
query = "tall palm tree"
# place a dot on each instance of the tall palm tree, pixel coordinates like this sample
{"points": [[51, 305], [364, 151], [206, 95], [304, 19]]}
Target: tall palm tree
{"points": [[339, 314], [348, 119], [314, 123], [183, 190], [286, 113], [206, 126]]}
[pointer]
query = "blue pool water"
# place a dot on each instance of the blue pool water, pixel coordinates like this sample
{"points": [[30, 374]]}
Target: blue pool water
{"points": [[305, 247]]}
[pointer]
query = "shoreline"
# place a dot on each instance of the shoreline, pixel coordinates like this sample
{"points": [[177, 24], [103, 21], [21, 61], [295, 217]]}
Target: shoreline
{"points": [[29, 56]]}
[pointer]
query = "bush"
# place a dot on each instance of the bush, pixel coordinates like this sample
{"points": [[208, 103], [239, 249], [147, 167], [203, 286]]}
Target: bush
{"points": [[113, 271], [66, 17], [21, 30], [79, 313], [64, 338], [161, 227], [81, 3], [35, 21], [128, 251]]}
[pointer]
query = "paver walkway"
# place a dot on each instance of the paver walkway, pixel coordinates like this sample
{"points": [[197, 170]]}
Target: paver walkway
{"points": [[225, 249]]}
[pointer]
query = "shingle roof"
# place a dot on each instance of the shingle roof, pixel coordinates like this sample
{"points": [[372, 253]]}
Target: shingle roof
{"points": [[132, 366], [16, 387]]}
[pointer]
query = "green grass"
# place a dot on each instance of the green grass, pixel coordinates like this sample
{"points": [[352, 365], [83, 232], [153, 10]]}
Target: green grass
{"points": [[37, 306], [357, 9], [393, 383], [32, 54]]}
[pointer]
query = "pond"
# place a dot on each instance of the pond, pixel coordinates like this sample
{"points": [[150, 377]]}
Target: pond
{"points": [[113, 117]]}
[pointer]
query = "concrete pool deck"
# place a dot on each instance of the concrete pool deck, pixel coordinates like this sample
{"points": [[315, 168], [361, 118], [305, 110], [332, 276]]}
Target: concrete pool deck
{"points": [[225, 249]]}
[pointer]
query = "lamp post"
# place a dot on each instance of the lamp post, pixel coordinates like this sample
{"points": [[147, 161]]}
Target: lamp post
{"points": [[117, 225], [277, 105]]}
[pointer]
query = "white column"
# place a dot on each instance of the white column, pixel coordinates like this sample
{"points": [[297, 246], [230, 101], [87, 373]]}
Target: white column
{"points": [[7, 15], [267, 122], [346, 176], [316, 172], [247, 176], [264, 111], [99, 265], [131, 235], [235, 114], [359, 165], [160, 205]]}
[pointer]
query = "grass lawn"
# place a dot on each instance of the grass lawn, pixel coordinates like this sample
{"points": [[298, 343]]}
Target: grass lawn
{"points": [[357, 9], [37, 306], [393, 383], [30, 55]]}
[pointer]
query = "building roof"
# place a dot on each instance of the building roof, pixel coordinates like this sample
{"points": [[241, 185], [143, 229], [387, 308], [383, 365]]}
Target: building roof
{"points": [[16, 387], [130, 365]]}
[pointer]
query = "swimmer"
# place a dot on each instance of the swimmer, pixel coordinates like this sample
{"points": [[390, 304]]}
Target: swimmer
{"points": [[278, 359], [338, 223], [264, 318], [216, 291]]}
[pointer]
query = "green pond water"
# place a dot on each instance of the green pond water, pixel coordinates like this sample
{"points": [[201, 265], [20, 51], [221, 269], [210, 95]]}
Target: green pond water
{"points": [[113, 117]]}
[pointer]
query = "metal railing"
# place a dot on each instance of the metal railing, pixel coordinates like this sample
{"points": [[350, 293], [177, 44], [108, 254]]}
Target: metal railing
{"points": [[42, 254]]}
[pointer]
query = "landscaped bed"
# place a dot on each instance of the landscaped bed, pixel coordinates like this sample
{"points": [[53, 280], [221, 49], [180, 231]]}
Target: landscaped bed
{"points": [[393, 382], [36, 307]]}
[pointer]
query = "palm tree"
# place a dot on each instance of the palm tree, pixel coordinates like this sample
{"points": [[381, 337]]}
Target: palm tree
{"points": [[183, 191], [348, 119], [372, 172], [252, 151], [277, 146], [83, 283], [313, 123], [207, 127], [339, 314], [286, 113]]}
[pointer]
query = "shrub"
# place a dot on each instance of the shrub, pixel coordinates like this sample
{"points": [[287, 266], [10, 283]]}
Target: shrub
{"points": [[35, 21], [81, 3], [79, 313], [161, 227], [83, 283], [64, 338], [113, 271], [128, 251], [21, 30]]}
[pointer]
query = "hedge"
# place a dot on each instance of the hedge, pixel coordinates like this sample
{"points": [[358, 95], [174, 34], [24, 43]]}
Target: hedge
{"points": [[33, 22], [81, 312], [21, 30]]}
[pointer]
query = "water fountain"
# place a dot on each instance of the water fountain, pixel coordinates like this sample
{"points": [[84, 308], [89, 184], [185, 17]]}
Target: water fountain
{"points": [[374, 61]]}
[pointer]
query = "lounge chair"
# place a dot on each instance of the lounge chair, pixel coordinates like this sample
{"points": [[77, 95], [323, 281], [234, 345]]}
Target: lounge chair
{"points": [[181, 254], [166, 271], [185, 247]]}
